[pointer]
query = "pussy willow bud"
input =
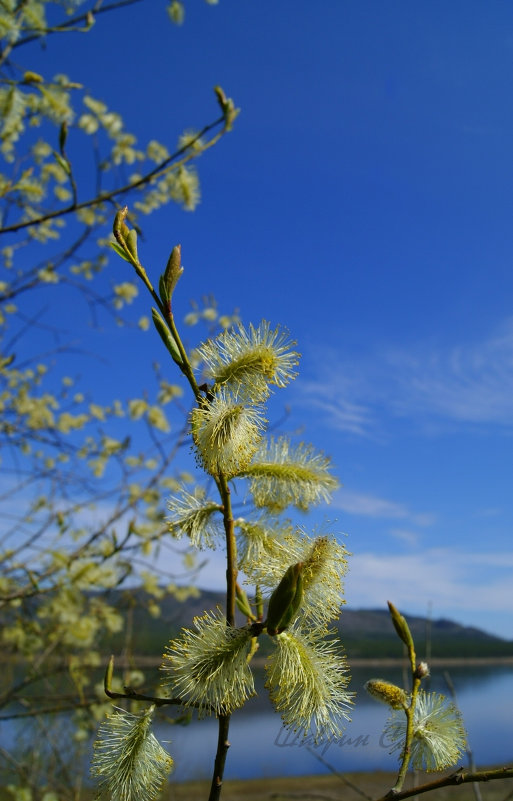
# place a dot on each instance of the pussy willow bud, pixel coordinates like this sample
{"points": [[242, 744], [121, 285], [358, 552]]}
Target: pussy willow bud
{"points": [[107, 679], [172, 273], [63, 135], [227, 107], [401, 626], [120, 229], [387, 693], [422, 670], [32, 77], [285, 600]]}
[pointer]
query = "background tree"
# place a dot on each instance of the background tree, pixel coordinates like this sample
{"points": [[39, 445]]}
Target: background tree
{"points": [[82, 480]]}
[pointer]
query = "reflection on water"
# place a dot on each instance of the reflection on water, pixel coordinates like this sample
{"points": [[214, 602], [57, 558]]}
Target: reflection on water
{"points": [[261, 747]]}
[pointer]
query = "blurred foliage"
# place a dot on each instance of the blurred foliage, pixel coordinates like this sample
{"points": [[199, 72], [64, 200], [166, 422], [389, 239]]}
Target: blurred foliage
{"points": [[82, 480]]}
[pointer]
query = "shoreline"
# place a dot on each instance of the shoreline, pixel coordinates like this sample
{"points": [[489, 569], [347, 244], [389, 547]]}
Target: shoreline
{"points": [[339, 787], [357, 662], [437, 661]]}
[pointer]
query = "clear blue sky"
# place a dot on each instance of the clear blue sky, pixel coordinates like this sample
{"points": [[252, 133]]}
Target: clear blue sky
{"points": [[365, 201]]}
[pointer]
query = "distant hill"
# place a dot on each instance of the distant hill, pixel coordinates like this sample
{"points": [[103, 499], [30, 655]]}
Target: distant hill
{"points": [[365, 633], [369, 632]]}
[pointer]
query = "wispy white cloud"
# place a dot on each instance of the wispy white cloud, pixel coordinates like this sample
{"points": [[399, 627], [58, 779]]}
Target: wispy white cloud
{"points": [[344, 413], [410, 538], [362, 504], [469, 383], [469, 587]]}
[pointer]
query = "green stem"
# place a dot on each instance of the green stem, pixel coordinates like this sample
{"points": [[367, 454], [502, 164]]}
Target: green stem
{"points": [[410, 720], [406, 755], [186, 366], [167, 314]]}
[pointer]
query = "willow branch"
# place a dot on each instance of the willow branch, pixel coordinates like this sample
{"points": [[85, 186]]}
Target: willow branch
{"points": [[457, 778], [339, 775], [70, 24], [122, 190], [404, 633], [132, 694], [52, 710], [231, 550], [223, 743]]}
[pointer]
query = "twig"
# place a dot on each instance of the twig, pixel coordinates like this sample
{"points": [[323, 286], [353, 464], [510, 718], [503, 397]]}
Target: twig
{"points": [[132, 694], [338, 775], [457, 778], [122, 190], [468, 750]]}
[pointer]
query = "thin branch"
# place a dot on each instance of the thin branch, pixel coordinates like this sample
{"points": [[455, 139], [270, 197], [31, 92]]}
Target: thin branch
{"points": [[145, 179], [338, 775], [468, 750], [133, 695], [457, 778], [70, 24]]}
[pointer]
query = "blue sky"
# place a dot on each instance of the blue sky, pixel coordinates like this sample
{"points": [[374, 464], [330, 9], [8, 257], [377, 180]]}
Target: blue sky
{"points": [[364, 201]]}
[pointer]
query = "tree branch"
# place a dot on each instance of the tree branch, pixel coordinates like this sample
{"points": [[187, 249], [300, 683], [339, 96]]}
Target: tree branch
{"points": [[457, 778], [122, 190]]}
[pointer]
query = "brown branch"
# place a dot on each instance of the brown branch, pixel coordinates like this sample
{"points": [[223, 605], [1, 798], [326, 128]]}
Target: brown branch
{"points": [[122, 190], [71, 23], [339, 775], [51, 710], [133, 695], [223, 743], [456, 778]]}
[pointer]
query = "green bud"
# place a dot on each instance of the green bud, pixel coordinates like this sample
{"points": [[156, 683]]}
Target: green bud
{"points": [[293, 608], [120, 251], [62, 162], [107, 679], [131, 243], [171, 275], [120, 229], [166, 336], [32, 77], [165, 298], [227, 107], [63, 135], [241, 599], [174, 267], [401, 626], [285, 600]]}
